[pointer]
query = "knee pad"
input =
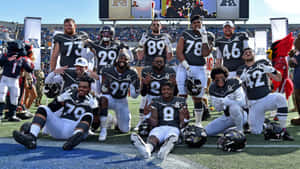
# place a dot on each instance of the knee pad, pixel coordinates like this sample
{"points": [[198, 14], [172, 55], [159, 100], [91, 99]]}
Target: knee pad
{"points": [[41, 111], [85, 127], [87, 118]]}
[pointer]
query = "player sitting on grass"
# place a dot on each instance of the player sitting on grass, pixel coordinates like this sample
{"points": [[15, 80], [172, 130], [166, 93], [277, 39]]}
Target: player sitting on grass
{"points": [[168, 115], [74, 122]]}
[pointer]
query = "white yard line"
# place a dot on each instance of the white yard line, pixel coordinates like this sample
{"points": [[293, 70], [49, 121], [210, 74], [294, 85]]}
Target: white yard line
{"points": [[260, 146]]}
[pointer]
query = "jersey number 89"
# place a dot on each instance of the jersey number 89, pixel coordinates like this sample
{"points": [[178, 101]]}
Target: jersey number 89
{"points": [[153, 46]]}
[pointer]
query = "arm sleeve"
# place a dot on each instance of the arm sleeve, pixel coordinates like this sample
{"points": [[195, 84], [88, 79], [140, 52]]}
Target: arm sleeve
{"points": [[3, 60], [135, 86], [217, 102]]}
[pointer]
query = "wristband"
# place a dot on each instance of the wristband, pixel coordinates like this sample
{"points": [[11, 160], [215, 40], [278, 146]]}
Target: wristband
{"points": [[185, 64]]}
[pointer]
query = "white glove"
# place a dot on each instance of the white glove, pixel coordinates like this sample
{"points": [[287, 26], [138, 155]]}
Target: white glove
{"points": [[143, 39], [64, 96], [267, 68], [203, 33], [91, 101]]}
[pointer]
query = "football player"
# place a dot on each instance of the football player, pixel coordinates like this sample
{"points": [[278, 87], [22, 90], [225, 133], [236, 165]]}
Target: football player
{"points": [[116, 80], [168, 115], [12, 63], [68, 45], [73, 123], [255, 75], [152, 77], [226, 95], [152, 45], [192, 48], [107, 49], [230, 48], [69, 77]]}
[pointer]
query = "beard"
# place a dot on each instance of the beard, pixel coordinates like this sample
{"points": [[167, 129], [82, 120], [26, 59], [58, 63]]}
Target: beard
{"points": [[155, 31], [122, 65], [160, 68], [250, 59]]}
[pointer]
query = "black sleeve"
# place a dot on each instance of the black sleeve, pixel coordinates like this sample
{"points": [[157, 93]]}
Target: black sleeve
{"points": [[3, 60]]}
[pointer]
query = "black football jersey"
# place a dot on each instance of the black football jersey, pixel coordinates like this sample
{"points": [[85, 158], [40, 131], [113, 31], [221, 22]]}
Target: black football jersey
{"points": [[230, 86], [73, 108], [232, 50], [105, 55], [70, 47], [192, 49], [155, 45], [70, 78], [257, 82], [117, 84], [168, 112], [157, 79], [13, 68]]}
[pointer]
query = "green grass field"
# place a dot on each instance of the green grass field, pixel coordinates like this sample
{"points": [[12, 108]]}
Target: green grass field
{"points": [[250, 158]]}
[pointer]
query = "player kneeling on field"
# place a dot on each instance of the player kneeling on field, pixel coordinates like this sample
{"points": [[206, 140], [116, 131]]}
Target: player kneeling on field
{"points": [[74, 122], [255, 75], [226, 95], [116, 81], [168, 114]]}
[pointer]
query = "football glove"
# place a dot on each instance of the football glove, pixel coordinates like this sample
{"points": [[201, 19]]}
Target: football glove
{"points": [[91, 101], [64, 96], [267, 68], [203, 33]]}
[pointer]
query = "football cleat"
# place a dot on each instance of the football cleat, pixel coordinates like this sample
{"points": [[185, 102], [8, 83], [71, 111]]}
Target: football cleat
{"points": [[286, 136], [25, 128], [141, 146], [28, 140], [167, 147], [273, 132], [102, 134], [73, 141]]}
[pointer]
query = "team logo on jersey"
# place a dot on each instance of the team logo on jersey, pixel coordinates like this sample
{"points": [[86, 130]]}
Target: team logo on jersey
{"points": [[177, 105], [104, 89], [230, 88]]}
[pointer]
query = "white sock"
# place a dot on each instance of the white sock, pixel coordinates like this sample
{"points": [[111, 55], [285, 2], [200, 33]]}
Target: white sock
{"points": [[103, 121], [35, 129]]}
